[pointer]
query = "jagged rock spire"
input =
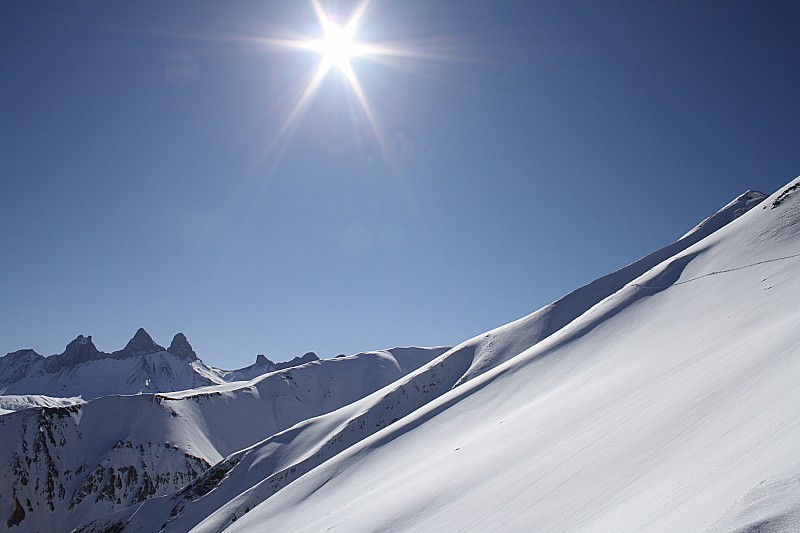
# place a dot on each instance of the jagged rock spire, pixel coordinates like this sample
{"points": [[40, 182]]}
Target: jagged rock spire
{"points": [[141, 344], [81, 350], [181, 347]]}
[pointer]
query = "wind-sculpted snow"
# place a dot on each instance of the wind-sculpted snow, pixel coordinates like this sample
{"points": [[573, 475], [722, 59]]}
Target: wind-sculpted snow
{"points": [[255, 475], [11, 403], [505, 342], [237, 484], [662, 397], [671, 405], [659, 397], [68, 465]]}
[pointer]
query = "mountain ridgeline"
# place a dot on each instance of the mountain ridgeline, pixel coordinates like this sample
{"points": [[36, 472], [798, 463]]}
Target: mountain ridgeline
{"points": [[141, 366], [65, 465], [660, 397]]}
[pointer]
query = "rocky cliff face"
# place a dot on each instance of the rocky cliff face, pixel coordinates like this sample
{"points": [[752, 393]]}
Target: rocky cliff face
{"points": [[54, 472], [81, 350], [60, 467], [84, 371], [141, 366], [141, 344], [181, 347]]}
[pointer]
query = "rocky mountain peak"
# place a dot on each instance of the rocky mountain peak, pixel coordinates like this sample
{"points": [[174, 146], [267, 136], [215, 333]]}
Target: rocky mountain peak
{"points": [[262, 360], [26, 353], [15, 365], [180, 346], [80, 350], [141, 344], [305, 358]]}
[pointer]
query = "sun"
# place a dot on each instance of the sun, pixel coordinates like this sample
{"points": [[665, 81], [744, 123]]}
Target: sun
{"points": [[338, 47]]}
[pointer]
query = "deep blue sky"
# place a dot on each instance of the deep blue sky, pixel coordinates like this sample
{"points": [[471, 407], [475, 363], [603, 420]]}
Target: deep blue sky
{"points": [[143, 183]]}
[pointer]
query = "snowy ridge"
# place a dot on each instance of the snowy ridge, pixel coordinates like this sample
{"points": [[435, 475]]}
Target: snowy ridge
{"points": [[84, 371], [143, 366], [11, 403], [110, 453], [660, 397], [568, 352], [263, 366], [658, 409]]}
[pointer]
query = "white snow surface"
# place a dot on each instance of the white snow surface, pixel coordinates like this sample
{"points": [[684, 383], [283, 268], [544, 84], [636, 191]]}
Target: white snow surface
{"points": [[155, 372], [662, 397], [11, 403], [671, 405], [63, 466]]}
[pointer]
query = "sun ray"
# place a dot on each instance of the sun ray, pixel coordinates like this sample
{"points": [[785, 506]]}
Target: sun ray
{"points": [[338, 47]]}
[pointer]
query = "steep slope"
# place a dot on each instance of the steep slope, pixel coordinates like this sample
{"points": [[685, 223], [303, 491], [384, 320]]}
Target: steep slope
{"points": [[62, 466], [248, 478], [670, 405]]}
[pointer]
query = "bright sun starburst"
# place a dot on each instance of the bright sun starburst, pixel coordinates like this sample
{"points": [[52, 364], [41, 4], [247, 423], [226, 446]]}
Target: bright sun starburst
{"points": [[337, 48]]}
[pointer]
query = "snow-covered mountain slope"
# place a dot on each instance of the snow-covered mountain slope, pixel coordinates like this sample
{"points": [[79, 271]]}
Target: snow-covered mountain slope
{"points": [[263, 366], [82, 371], [62, 466], [11, 403], [669, 403]]}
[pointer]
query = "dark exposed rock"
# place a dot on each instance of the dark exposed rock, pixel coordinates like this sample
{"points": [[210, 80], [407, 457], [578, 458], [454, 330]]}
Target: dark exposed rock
{"points": [[306, 358], [141, 344], [26, 354], [782, 196], [262, 360], [181, 347], [81, 350], [17, 516]]}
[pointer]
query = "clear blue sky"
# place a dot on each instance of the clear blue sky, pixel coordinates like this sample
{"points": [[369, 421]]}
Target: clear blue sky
{"points": [[145, 179]]}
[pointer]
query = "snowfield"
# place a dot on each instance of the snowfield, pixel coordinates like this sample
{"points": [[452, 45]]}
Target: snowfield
{"points": [[63, 466], [671, 405], [662, 397]]}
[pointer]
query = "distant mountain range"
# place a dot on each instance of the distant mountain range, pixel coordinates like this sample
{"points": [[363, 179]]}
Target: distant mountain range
{"points": [[661, 397], [64, 465], [83, 372]]}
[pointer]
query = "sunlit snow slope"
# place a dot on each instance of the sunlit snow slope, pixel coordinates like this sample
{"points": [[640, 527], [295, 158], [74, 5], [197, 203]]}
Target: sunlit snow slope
{"points": [[671, 405], [663, 397], [61, 466]]}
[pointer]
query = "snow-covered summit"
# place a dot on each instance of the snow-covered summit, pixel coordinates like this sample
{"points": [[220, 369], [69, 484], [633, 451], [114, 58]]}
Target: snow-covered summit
{"points": [[736, 208]]}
